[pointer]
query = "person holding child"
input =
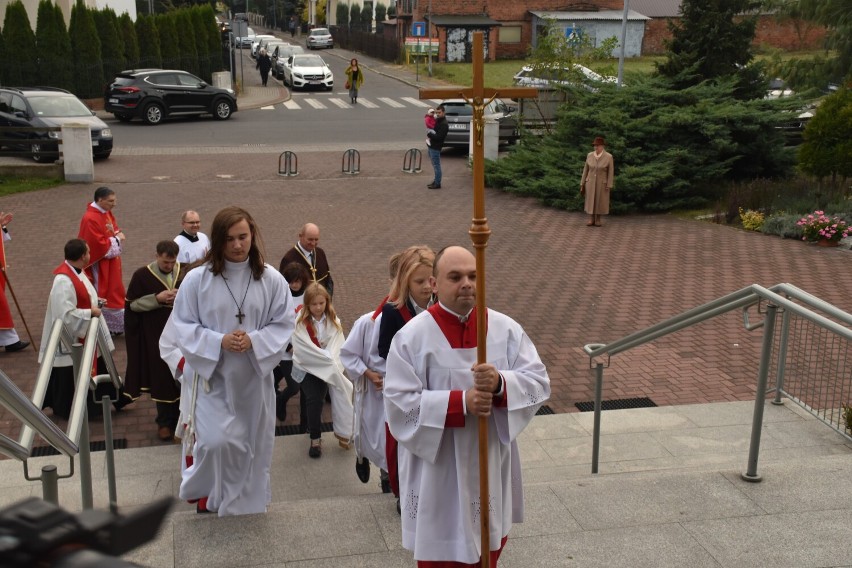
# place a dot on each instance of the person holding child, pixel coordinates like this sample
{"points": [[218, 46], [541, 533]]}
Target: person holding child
{"points": [[316, 365]]}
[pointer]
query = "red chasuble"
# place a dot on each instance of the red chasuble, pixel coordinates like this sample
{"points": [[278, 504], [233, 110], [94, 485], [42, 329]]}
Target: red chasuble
{"points": [[5, 313], [98, 230]]}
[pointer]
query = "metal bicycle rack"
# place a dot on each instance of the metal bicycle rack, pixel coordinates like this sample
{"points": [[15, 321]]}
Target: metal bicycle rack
{"points": [[288, 164], [351, 162], [412, 162]]}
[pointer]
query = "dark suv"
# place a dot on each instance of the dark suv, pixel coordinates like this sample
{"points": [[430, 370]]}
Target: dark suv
{"points": [[48, 107], [155, 94]]}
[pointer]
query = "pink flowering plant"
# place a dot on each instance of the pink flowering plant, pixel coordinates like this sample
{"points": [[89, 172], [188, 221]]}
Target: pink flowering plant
{"points": [[818, 226]]}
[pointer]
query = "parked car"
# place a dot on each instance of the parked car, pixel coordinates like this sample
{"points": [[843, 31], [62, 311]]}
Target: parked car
{"points": [[279, 57], [259, 41], [319, 37], [46, 107], [156, 94], [245, 41], [307, 70], [459, 114], [577, 74]]}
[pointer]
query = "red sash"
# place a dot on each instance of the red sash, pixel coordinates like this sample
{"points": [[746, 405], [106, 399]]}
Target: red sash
{"points": [[459, 335], [311, 333], [379, 309], [84, 301]]}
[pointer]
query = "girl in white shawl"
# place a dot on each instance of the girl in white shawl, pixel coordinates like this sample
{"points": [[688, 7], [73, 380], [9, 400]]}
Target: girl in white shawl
{"points": [[316, 364]]}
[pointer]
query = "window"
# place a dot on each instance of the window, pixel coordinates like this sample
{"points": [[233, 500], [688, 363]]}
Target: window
{"points": [[510, 34]]}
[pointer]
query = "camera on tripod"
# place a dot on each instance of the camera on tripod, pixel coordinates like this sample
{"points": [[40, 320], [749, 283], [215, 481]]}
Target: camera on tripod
{"points": [[36, 533]]}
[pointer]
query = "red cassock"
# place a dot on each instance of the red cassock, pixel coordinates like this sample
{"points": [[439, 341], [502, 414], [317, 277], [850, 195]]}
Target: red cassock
{"points": [[5, 313], [98, 229]]}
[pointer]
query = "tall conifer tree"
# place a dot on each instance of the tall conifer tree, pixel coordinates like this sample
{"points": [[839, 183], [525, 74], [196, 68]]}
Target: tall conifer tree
{"points": [[130, 41], [86, 46], [149, 42], [21, 57], [112, 42]]}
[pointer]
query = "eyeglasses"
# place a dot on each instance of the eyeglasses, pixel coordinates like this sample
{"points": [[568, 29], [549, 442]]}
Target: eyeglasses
{"points": [[192, 222]]}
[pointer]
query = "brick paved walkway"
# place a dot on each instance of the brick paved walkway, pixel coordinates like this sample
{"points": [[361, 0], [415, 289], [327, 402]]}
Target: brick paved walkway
{"points": [[566, 283]]}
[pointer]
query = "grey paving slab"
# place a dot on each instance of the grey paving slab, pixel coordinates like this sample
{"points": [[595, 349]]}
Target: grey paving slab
{"points": [[616, 447], [647, 499], [392, 559], [823, 484], [551, 426], [739, 412], [289, 532], [811, 433], [158, 553], [712, 440], [154, 459], [658, 546], [790, 540], [638, 420], [544, 514]]}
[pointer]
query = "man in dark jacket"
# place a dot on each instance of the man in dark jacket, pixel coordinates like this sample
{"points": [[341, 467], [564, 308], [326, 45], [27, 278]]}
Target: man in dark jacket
{"points": [[435, 141]]}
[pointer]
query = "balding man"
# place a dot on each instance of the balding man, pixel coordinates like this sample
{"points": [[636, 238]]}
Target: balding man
{"points": [[307, 253], [434, 392], [192, 242]]}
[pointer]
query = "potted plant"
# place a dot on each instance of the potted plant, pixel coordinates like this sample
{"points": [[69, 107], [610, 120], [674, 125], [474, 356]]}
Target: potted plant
{"points": [[822, 229]]}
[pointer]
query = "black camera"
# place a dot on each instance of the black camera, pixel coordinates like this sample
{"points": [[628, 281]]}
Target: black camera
{"points": [[35, 533]]}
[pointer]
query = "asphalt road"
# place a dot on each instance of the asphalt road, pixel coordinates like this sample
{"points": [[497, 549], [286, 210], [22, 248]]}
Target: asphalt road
{"points": [[388, 112]]}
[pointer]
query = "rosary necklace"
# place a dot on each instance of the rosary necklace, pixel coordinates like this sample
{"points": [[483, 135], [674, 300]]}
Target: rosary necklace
{"points": [[240, 315]]}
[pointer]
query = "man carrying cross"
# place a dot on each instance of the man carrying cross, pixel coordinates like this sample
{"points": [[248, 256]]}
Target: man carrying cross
{"points": [[234, 317], [434, 390]]}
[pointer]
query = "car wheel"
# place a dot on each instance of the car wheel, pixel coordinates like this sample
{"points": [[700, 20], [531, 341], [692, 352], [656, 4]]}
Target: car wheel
{"points": [[153, 113], [37, 150], [103, 156], [222, 109], [123, 117]]}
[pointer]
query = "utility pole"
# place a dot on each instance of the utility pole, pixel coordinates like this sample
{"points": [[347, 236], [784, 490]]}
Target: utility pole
{"points": [[623, 41]]}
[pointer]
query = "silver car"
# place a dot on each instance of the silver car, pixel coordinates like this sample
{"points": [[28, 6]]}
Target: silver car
{"points": [[459, 114], [319, 38], [279, 57]]}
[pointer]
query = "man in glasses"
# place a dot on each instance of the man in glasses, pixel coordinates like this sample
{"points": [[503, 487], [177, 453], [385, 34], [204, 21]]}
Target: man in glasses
{"points": [[192, 242]]}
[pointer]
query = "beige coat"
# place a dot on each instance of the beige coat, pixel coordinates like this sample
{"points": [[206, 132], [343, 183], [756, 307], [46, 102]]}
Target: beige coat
{"points": [[597, 180]]}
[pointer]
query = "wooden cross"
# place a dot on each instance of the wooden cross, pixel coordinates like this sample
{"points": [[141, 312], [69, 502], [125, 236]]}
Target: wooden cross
{"points": [[479, 97], [240, 315]]}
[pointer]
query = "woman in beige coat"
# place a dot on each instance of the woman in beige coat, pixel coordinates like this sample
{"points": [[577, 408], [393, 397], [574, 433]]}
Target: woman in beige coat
{"points": [[596, 182]]}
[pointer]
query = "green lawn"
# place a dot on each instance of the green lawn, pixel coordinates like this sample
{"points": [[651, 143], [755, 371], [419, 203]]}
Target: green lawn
{"points": [[499, 73], [10, 185]]}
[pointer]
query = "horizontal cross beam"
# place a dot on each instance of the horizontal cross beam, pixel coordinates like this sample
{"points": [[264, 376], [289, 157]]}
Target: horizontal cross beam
{"points": [[461, 92]]}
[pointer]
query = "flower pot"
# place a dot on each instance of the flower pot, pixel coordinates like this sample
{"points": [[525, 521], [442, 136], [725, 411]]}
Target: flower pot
{"points": [[827, 243]]}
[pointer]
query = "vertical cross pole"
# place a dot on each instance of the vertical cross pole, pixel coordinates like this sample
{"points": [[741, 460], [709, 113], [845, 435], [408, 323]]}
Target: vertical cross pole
{"points": [[479, 97]]}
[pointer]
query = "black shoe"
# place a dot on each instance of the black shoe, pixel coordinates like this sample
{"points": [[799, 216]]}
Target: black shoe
{"points": [[362, 469], [398, 508], [280, 407], [434, 185], [315, 450], [17, 346], [385, 484]]}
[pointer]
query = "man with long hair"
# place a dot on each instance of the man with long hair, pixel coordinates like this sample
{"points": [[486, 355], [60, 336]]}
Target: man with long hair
{"points": [[234, 318]]}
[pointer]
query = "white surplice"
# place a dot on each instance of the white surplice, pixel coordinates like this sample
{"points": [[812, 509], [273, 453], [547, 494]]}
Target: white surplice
{"points": [[438, 465], [192, 251], [235, 411], [189, 381], [324, 363], [360, 352]]}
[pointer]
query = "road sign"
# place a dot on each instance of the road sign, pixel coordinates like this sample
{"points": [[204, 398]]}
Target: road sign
{"points": [[418, 29]]}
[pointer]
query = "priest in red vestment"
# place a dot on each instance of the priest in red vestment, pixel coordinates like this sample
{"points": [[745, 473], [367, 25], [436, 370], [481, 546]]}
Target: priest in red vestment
{"points": [[100, 230], [8, 335], [435, 392]]}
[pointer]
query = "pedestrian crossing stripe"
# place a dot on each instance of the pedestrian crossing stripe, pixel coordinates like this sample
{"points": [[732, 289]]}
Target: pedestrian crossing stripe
{"points": [[391, 102], [320, 104]]}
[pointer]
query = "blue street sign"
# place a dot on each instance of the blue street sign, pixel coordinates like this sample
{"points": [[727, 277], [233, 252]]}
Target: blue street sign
{"points": [[418, 29]]}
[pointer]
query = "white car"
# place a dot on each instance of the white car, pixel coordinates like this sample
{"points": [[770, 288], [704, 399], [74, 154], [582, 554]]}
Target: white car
{"points": [[257, 43], [244, 41], [307, 70], [529, 77]]}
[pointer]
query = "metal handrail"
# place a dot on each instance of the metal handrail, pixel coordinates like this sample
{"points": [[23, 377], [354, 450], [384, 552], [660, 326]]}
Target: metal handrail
{"points": [[778, 296], [743, 298], [12, 448]]}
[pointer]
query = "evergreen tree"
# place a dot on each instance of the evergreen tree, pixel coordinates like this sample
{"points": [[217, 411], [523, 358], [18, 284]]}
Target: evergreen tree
{"points": [[673, 148], [112, 42], [202, 34], [86, 47], [149, 42], [169, 48], [2, 58], [342, 14], [129, 40], [835, 64], [64, 73], [827, 148], [214, 40], [367, 17], [46, 40], [186, 40], [21, 58], [354, 17], [381, 12], [712, 39]]}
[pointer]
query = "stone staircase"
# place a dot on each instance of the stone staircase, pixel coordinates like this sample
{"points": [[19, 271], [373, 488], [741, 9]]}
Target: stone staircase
{"points": [[669, 493]]}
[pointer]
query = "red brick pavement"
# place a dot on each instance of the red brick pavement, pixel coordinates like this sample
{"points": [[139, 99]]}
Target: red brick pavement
{"points": [[568, 284]]}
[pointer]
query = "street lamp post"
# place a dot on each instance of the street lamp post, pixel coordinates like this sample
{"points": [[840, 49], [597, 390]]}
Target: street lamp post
{"points": [[429, 45]]}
